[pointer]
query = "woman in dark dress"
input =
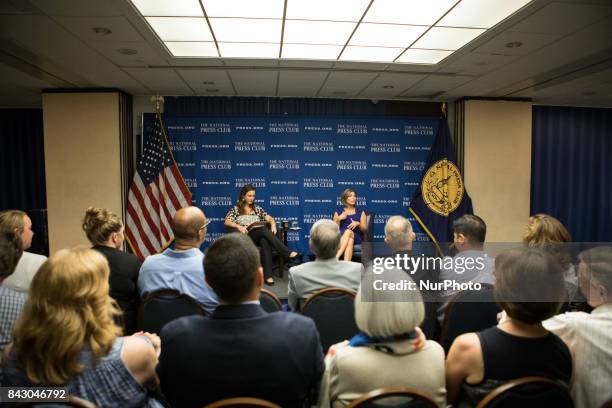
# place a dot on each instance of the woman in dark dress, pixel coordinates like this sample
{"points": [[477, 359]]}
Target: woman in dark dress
{"points": [[104, 230], [352, 223], [529, 287], [249, 218]]}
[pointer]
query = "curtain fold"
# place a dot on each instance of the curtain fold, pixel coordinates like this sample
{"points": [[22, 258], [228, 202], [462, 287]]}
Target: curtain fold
{"points": [[22, 169], [571, 174]]}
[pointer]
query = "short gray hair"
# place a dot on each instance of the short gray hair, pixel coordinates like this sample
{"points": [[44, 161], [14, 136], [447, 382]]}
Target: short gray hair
{"points": [[397, 231], [385, 313], [599, 262], [324, 239]]}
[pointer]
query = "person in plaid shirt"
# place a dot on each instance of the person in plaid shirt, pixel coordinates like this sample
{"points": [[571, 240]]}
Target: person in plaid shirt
{"points": [[11, 301]]}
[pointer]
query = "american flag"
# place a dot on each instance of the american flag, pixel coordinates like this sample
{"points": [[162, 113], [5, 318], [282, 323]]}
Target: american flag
{"points": [[157, 192]]}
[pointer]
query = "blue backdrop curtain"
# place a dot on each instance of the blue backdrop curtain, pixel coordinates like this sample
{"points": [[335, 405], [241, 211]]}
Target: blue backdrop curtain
{"points": [[203, 105], [571, 174], [22, 169]]}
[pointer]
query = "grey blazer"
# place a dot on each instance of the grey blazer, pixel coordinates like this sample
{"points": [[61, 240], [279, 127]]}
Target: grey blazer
{"points": [[309, 277]]}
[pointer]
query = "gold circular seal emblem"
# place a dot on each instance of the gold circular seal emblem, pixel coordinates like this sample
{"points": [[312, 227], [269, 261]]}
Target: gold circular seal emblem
{"points": [[442, 187]]}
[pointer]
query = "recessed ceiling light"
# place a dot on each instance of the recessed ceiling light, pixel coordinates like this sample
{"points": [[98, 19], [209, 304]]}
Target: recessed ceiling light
{"points": [[212, 90], [180, 28], [386, 35], [447, 38], [374, 54], [189, 8], [317, 32], [139, 61], [246, 29], [310, 51], [208, 82], [101, 30], [336, 10], [248, 50], [379, 30], [589, 93], [416, 56], [244, 8], [407, 12], [192, 49], [480, 13], [127, 51], [388, 87], [514, 44]]}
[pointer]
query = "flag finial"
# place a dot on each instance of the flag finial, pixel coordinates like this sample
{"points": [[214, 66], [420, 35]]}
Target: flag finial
{"points": [[158, 101]]}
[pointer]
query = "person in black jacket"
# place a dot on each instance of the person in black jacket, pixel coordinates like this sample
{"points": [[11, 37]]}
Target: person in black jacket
{"points": [[104, 230], [240, 350]]}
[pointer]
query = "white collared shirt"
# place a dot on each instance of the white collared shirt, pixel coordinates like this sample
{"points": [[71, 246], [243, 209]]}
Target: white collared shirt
{"points": [[590, 337]]}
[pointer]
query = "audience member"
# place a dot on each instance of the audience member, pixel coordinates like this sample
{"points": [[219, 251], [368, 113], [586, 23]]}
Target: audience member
{"points": [[18, 222], [66, 336], [181, 268], [548, 233], [352, 222], [399, 236], [104, 230], [469, 233], [529, 287], [590, 335], [240, 350], [326, 270], [11, 301], [390, 344]]}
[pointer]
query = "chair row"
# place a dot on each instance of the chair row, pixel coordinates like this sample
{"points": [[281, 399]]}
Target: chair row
{"points": [[526, 391]]}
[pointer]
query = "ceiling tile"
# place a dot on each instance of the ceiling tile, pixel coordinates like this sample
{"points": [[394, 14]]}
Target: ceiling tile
{"points": [[437, 83], [116, 52], [530, 42], [77, 8], [207, 81], [562, 18], [162, 80], [388, 85], [300, 83], [342, 84], [476, 64], [254, 83], [82, 27]]}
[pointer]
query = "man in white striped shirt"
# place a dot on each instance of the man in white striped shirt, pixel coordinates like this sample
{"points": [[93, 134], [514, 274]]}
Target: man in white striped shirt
{"points": [[590, 335]]}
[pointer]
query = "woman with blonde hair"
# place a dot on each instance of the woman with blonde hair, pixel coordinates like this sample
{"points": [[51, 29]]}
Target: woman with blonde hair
{"points": [[104, 230], [66, 336], [352, 223], [390, 344], [548, 233]]}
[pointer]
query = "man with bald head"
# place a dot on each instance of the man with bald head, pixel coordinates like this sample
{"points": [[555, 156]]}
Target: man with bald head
{"points": [[181, 268]]}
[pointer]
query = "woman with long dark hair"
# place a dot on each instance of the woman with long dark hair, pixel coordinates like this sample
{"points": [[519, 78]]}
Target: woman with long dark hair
{"points": [[249, 218]]}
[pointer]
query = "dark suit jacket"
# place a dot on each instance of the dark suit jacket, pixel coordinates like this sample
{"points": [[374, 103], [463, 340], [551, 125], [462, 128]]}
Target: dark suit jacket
{"points": [[240, 351], [123, 283]]}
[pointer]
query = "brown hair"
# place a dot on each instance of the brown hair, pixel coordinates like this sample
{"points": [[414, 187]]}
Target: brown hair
{"points": [[231, 264], [241, 200], [99, 224], [345, 194], [10, 253], [528, 284], [68, 308], [12, 221], [546, 232]]}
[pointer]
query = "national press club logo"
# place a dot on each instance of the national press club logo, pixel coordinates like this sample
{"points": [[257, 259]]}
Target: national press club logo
{"points": [[283, 127], [215, 164], [217, 127], [249, 146], [318, 146], [385, 148], [284, 164]]}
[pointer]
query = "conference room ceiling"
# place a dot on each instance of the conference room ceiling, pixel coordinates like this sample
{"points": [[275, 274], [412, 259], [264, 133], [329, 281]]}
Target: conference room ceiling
{"points": [[554, 52]]}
